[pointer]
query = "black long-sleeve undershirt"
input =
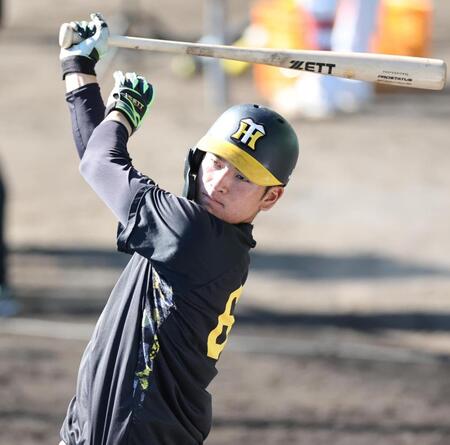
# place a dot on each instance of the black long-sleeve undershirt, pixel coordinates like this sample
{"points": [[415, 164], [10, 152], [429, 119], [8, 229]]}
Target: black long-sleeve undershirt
{"points": [[87, 110], [102, 147]]}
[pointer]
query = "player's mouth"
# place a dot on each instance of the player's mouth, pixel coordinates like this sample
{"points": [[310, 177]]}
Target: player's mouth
{"points": [[209, 200]]}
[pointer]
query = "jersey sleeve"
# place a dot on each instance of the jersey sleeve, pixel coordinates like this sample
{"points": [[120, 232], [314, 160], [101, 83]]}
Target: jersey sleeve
{"points": [[180, 238]]}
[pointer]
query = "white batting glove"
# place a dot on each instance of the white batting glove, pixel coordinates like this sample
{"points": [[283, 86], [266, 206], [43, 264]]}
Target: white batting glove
{"points": [[94, 39]]}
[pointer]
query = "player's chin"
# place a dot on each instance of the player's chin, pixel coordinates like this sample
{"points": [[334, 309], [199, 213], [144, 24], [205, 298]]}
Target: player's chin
{"points": [[219, 209], [216, 211], [210, 204]]}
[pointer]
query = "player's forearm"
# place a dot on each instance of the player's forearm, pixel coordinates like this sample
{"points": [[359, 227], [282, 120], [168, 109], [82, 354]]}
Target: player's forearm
{"points": [[86, 111], [106, 167]]}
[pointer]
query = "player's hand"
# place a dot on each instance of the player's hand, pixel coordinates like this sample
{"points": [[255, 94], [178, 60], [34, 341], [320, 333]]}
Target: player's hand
{"points": [[132, 95], [94, 39], [82, 57]]}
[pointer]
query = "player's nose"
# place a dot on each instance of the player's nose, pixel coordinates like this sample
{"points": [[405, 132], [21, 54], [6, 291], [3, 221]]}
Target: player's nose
{"points": [[222, 180]]}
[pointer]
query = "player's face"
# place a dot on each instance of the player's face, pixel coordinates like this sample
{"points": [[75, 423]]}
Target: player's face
{"points": [[230, 196]]}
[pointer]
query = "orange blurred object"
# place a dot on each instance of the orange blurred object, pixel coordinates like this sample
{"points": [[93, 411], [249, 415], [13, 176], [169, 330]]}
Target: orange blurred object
{"points": [[404, 27], [285, 26]]}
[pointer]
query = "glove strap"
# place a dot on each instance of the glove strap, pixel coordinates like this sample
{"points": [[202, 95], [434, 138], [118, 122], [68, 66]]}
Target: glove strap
{"points": [[78, 64]]}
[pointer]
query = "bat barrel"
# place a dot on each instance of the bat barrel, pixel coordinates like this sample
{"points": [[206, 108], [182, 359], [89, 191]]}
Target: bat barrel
{"points": [[413, 72]]}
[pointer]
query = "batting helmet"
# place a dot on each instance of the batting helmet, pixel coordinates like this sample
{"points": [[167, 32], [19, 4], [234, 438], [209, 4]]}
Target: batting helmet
{"points": [[256, 140]]}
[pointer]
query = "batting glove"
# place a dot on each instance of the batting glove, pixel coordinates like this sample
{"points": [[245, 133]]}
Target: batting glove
{"points": [[132, 95], [82, 57]]}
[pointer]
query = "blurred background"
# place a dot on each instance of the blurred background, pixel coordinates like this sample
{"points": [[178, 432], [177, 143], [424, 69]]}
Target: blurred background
{"points": [[343, 330]]}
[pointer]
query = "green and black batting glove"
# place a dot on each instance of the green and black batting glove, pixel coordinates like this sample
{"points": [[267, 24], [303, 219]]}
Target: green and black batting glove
{"points": [[132, 95], [81, 57]]}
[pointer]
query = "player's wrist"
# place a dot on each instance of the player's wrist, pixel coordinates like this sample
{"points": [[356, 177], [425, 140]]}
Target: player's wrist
{"points": [[127, 112], [118, 116], [77, 80], [78, 64]]}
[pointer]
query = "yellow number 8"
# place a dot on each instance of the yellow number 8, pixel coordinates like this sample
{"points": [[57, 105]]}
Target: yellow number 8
{"points": [[226, 319]]}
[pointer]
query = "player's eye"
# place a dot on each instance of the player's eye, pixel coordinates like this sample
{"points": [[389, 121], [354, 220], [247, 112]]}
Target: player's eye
{"points": [[241, 177], [217, 164]]}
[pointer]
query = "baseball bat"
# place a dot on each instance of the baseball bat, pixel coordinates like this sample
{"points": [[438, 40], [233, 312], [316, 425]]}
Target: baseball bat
{"points": [[404, 71]]}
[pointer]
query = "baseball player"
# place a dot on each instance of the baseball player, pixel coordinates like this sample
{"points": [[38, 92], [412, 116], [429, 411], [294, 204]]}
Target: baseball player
{"points": [[144, 374]]}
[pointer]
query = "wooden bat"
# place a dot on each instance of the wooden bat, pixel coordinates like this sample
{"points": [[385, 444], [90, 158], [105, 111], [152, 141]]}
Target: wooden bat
{"points": [[405, 71]]}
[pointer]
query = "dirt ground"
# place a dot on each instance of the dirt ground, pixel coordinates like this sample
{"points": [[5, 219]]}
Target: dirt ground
{"points": [[343, 332]]}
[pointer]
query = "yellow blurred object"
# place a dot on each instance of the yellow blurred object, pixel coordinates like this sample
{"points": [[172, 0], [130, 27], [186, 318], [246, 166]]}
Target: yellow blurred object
{"points": [[234, 67], [285, 27], [404, 27]]}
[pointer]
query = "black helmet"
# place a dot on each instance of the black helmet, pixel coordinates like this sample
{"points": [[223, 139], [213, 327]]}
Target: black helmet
{"points": [[260, 143]]}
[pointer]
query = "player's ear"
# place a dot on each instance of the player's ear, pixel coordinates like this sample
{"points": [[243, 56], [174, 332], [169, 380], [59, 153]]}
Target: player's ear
{"points": [[271, 196]]}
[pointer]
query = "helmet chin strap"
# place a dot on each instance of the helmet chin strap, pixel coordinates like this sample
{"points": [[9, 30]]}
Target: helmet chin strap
{"points": [[191, 167]]}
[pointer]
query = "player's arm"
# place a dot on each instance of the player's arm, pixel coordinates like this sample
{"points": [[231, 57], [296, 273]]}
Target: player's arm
{"points": [[74, 81], [106, 164], [78, 70]]}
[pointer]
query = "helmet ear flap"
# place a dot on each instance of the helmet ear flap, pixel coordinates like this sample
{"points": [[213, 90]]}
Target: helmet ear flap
{"points": [[191, 167]]}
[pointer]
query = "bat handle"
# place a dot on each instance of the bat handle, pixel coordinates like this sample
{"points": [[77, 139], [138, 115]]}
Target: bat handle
{"points": [[67, 36]]}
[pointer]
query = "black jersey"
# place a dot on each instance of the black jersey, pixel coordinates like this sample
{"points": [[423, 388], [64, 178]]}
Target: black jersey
{"points": [[144, 374]]}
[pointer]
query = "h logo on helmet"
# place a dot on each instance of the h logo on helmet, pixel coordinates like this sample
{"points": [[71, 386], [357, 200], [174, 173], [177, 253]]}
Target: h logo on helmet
{"points": [[249, 132]]}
